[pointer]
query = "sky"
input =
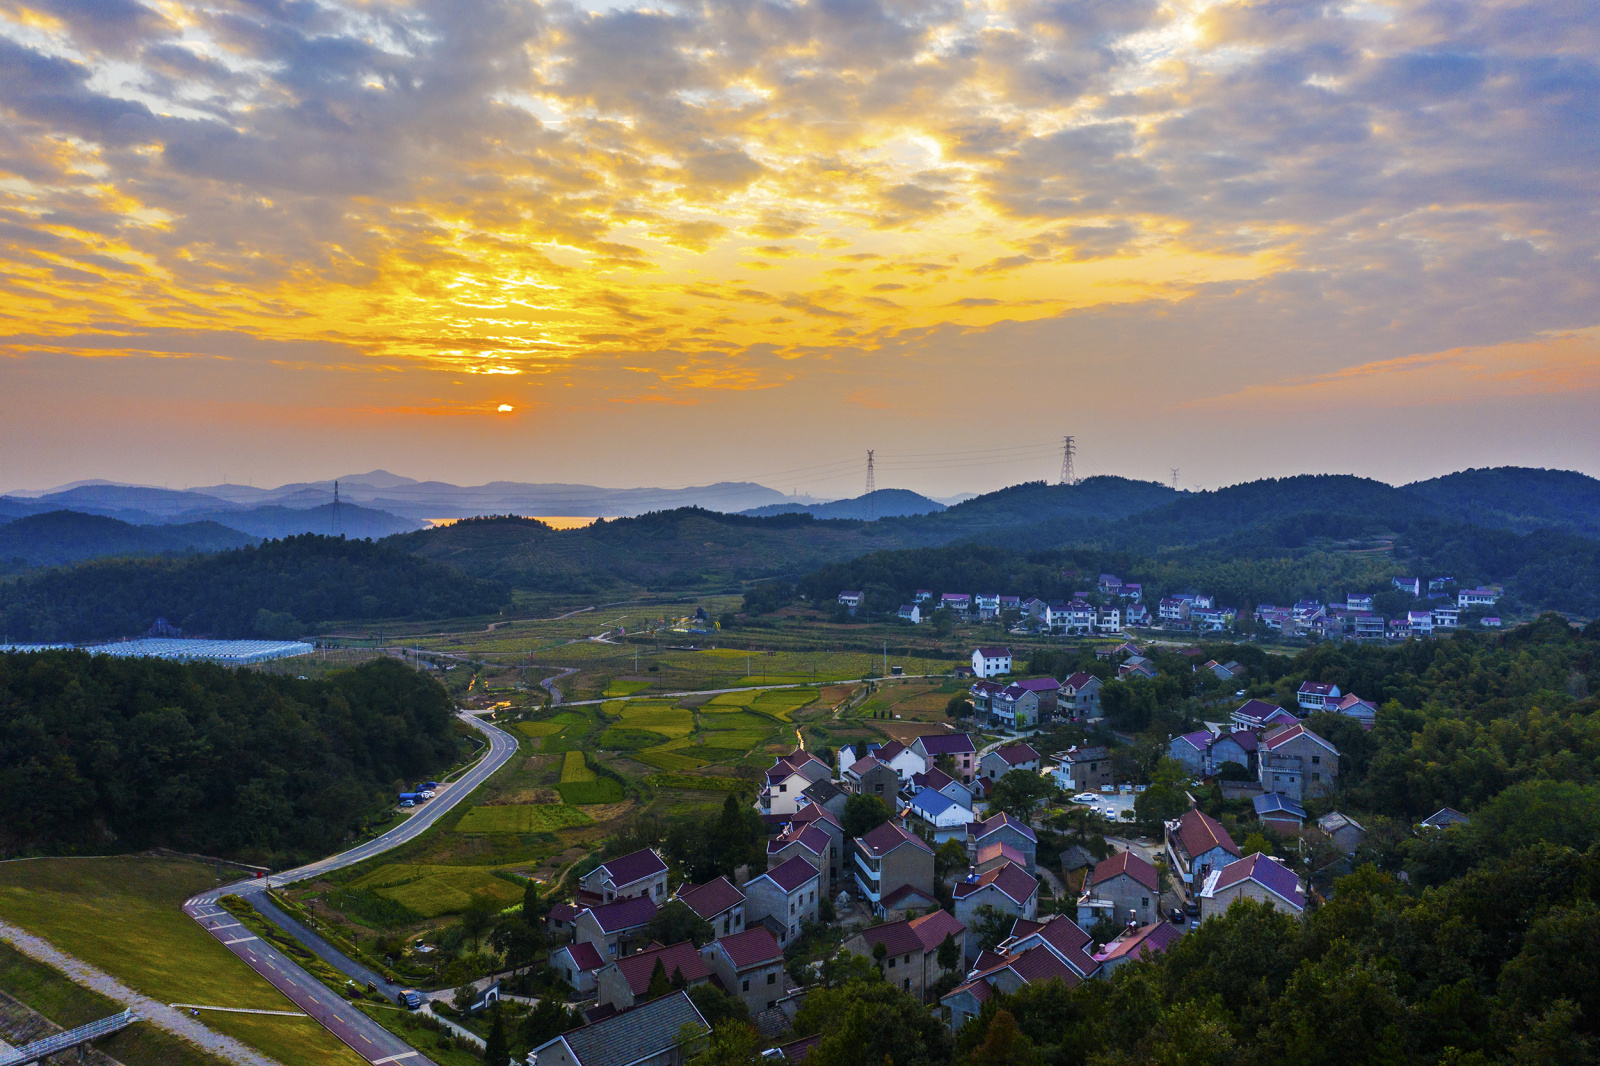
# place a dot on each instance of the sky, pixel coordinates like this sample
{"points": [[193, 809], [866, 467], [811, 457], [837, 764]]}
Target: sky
{"points": [[674, 243]]}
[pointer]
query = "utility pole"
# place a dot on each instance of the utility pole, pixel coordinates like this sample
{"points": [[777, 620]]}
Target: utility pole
{"points": [[1174, 478], [1069, 448], [886, 658], [338, 519], [872, 487]]}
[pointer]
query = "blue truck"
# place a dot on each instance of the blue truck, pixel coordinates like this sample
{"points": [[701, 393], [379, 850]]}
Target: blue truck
{"points": [[411, 798]]}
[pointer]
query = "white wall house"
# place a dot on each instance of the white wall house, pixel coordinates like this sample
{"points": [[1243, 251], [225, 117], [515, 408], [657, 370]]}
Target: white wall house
{"points": [[991, 661]]}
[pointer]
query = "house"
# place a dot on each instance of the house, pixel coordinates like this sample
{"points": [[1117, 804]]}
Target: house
{"points": [[1001, 828], [871, 776], [1478, 597], [1003, 760], [1444, 818], [982, 694], [1259, 714], [992, 856], [987, 604], [1280, 812], [717, 902], [616, 928], [1446, 617], [922, 596], [910, 959], [1239, 746], [810, 842], [825, 794], [1344, 831], [910, 612], [1191, 750], [1131, 591], [1258, 877], [640, 873], [1358, 602], [1034, 953], [1228, 671], [1014, 708], [1083, 769], [645, 1036], [889, 860], [848, 754], [1297, 762], [1073, 617], [1135, 614], [624, 982], [1213, 619], [561, 922], [1352, 706], [1412, 585], [1081, 695], [1369, 626], [851, 600], [1145, 941], [787, 894], [1305, 610], [1420, 623], [959, 602], [991, 661], [1109, 585], [750, 966], [1173, 609], [1122, 888], [789, 776], [933, 814], [1490, 621], [1313, 695], [1196, 845], [1007, 887], [1009, 604], [821, 819], [1136, 666], [1048, 689], [959, 746], [943, 784], [905, 762], [1108, 619], [579, 965]]}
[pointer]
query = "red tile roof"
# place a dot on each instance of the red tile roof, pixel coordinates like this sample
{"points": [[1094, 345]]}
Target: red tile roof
{"points": [[1276, 739], [711, 898], [815, 812], [564, 912], [1265, 871], [637, 968], [625, 913], [890, 750], [626, 869], [792, 873], [1146, 940], [862, 765], [889, 836], [584, 955], [934, 926], [1041, 964], [979, 830], [1017, 754], [753, 947], [1063, 935], [1198, 832], [1126, 862], [907, 896], [1009, 878]]}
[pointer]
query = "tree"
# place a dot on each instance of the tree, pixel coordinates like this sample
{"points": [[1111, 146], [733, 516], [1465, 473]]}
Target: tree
{"points": [[660, 983], [546, 1021], [464, 997], [847, 968], [518, 941], [1541, 811], [496, 1049], [863, 814], [1166, 797], [1004, 1044], [958, 707], [733, 1043], [478, 917], [676, 923], [872, 1022], [991, 925], [739, 836], [951, 855], [1020, 793], [717, 1006], [533, 908], [949, 955]]}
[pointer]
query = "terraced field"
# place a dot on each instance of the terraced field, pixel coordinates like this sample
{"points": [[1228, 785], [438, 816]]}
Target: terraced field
{"points": [[581, 786], [435, 890]]}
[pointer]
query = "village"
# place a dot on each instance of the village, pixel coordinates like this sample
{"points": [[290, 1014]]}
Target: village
{"points": [[923, 859]]}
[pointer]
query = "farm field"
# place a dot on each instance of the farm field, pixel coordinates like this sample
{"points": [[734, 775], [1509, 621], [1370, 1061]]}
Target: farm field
{"points": [[522, 818], [435, 890], [122, 915]]}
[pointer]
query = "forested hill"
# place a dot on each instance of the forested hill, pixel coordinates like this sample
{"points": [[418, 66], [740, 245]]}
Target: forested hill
{"points": [[59, 537], [283, 588], [1517, 498], [119, 754]]}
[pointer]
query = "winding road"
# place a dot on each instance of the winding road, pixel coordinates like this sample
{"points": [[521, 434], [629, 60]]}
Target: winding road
{"points": [[369, 1039]]}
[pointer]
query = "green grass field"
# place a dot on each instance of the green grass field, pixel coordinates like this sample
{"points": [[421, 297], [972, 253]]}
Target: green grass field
{"points": [[588, 793], [540, 729], [575, 769], [625, 688], [122, 915], [658, 717], [695, 782], [618, 739], [521, 818], [675, 759], [435, 890]]}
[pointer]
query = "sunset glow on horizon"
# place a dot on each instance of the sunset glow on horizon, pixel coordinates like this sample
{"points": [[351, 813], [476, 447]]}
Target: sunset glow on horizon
{"points": [[362, 227]]}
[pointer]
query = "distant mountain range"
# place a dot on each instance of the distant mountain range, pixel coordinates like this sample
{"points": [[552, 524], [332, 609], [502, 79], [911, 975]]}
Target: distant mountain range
{"points": [[56, 538], [884, 503]]}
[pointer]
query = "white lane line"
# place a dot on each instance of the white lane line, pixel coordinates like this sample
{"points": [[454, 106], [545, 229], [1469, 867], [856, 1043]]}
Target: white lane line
{"points": [[241, 940], [230, 925], [239, 1010], [393, 1058]]}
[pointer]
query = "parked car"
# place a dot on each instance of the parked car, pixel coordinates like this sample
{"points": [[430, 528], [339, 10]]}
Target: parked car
{"points": [[1191, 908], [1177, 916], [409, 999], [1086, 797]]}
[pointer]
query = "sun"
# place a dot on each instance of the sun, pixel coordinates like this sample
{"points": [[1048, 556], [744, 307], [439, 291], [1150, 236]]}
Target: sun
{"points": [[505, 408]]}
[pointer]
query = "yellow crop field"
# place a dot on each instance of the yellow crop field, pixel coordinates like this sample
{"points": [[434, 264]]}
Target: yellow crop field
{"points": [[575, 769]]}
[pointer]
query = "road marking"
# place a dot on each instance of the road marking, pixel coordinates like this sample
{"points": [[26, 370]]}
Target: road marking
{"points": [[230, 925], [241, 940], [393, 1058], [239, 1010]]}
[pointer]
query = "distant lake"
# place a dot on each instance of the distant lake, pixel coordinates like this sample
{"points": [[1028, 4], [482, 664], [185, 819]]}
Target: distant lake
{"points": [[553, 521]]}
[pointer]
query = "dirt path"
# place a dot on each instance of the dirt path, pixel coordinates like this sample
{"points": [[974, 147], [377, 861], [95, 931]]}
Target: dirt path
{"points": [[157, 1014]]}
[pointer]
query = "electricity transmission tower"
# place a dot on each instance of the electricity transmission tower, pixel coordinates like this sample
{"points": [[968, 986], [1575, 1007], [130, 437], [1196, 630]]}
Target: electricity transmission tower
{"points": [[1069, 448], [872, 487], [338, 519], [1174, 477]]}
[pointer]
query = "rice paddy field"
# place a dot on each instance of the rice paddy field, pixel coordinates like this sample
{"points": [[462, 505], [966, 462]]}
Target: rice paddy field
{"points": [[435, 890]]}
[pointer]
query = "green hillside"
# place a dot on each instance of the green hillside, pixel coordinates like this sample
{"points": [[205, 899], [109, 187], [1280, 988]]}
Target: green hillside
{"points": [[60, 537]]}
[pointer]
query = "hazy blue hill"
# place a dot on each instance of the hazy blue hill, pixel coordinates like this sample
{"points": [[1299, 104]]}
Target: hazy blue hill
{"points": [[59, 537], [101, 499], [1516, 497], [277, 521], [885, 503], [1096, 499]]}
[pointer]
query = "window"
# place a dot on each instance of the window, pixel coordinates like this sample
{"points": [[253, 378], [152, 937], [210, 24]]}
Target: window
{"points": [[747, 984], [725, 923], [878, 788], [772, 978], [892, 961], [908, 960], [1316, 777], [791, 906], [1316, 760], [611, 948], [908, 984], [1144, 901]]}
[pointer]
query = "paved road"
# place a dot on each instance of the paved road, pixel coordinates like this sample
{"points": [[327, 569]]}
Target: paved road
{"points": [[373, 1042]]}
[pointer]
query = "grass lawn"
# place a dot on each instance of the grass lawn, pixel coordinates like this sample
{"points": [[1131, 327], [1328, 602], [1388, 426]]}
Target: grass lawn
{"points": [[521, 818], [123, 915], [69, 1006], [575, 768], [435, 890]]}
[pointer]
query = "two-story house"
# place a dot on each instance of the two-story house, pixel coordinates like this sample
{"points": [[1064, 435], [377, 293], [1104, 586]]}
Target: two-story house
{"points": [[1259, 714], [1014, 708], [871, 776], [822, 820], [639, 873], [1001, 828], [805, 840], [910, 958], [1190, 750], [1122, 888], [1080, 695], [851, 600], [960, 747], [910, 612], [650, 1035], [1083, 769], [888, 861], [787, 894], [1143, 942], [1007, 887], [1108, 619], [717, 902], [987, 604], [934, 815], [958, 602], [624, 982], [1258, 877], [1313, 695], [617, 928], [1297, 762], [789, 776], [750, 966], [579, 965], [991, 661], [941, 783], [905, 762], [1003, 760], [1197, 844], [1056, 950], [983, 694]]}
